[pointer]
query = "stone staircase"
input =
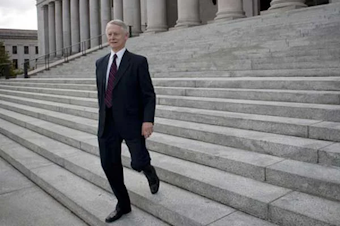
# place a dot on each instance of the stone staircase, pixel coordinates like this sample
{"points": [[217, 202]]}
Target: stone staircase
{"points": [[247, 128]]}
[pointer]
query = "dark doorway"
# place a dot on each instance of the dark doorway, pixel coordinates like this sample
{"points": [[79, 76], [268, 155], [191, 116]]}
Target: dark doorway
{"points": [[316, 2], [264, 5]]}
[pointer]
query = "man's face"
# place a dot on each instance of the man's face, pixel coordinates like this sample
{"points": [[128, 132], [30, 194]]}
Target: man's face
{"points": [[116, 37]]}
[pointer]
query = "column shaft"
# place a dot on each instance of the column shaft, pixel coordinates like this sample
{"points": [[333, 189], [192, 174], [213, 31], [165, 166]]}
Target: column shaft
{"points": [[46, 30], [75, 26], [94, 23], [105, 15], [229, 10], [143, 14], [51, 28], [132, 16], [58, 27], [118, 9], [41, 29], [156, 16], [188, 13], [66, 25], [84, 22]]}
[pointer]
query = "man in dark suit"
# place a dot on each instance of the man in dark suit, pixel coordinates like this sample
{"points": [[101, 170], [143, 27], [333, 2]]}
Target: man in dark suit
{"points": [[126, 101]]}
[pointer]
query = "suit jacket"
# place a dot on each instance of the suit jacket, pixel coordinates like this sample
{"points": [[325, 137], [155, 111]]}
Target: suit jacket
{"points": [[133, 95]]}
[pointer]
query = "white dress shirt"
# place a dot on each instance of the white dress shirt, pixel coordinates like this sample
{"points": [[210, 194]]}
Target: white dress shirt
{"points": [[119, 54]]}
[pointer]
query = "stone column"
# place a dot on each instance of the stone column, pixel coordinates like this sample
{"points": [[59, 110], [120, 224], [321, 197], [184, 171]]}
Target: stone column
{"points": [[156, 16], [66, 25], [46, 29], [51, 28], [118, 9], [75, 26], [42, 26], [188, 13], [105, 16], [284, 5], [84, 22], [94, 23], [132, 16], [229, 10], [112, 9], [58, 27], [143, 14]]}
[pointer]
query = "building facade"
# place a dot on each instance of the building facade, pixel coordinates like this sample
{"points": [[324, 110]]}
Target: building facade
{"points": [[66, 23], [21, 45]]}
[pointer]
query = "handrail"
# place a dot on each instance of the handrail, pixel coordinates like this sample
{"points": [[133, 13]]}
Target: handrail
{"points": [[65, 53]]}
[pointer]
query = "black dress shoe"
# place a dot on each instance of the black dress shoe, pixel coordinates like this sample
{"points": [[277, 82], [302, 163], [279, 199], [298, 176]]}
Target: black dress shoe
{"points": [[115, 215], [152, 177]]}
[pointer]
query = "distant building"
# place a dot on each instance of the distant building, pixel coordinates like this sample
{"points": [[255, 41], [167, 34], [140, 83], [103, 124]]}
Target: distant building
{"points": [[21, 45]]}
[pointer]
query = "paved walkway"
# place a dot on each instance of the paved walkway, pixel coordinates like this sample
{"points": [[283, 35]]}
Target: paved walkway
{"points": [[22, 203]]}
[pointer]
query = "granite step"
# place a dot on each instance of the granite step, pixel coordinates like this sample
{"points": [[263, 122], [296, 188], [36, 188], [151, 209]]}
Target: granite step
{"points": [[285, 109], [83, 81], [301, 96], [240, 162], [315, 72], [318, 97], [284, 39], [324, 181], [291, 83], [295, 148], [229, 46], [257, 61], [168, 204], [80, 101], [223, 63], [299, 209], [271, 124], [307, 128], [54, 91], [295, 65], [87, 112], [331, 83], [208, 177], [29, 84], [302, 54], [272, 108], [320, 72], [89, 202]]}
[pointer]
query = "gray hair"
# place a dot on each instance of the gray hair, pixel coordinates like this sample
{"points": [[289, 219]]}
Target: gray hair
{"points": [[118, 23]]}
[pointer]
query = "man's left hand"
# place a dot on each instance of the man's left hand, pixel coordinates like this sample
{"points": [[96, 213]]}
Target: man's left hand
{"points": [[147, 129]]}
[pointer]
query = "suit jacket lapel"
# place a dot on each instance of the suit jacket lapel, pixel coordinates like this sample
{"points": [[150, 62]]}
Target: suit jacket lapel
{"points": [[104, 70], [124, 64]]}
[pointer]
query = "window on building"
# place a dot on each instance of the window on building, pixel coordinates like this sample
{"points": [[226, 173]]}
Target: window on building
{"points": [[36, 50], [26, 50], [2, 48], [15, 63], [14, 49], [28, 63]]}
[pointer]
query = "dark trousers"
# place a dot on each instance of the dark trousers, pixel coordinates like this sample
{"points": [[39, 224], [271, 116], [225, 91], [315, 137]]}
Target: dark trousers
{"points": [[110, 154]]}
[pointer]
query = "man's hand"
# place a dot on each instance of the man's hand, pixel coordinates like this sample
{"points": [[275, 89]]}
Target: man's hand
{"points": [[147, 129]]}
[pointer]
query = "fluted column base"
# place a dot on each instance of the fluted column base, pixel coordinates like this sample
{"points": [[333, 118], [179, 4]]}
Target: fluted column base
{"points": [[188, 14], [230, 15], [156, 16], [285, 5], [229, 10]]}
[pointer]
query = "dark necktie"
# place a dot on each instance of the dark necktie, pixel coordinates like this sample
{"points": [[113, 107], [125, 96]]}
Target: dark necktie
{"points": [[108, 94]]}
